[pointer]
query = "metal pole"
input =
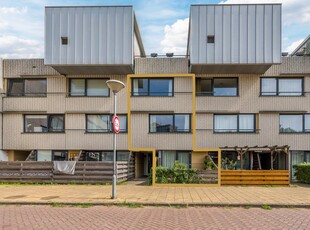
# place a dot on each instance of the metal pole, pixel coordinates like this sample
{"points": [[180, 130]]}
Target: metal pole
{"points": [[114, 155]]}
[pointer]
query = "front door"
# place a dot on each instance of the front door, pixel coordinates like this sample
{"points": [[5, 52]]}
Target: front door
{"points": [[143, 164]]}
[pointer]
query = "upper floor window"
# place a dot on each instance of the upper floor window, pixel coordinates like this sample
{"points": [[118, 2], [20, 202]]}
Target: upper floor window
{"points": [[152, 87], [19, 87], [217, 86], [294, 123], [166, 123], [43, 123], [102, 123], [234, 123], [88, 87], [281, 86]]}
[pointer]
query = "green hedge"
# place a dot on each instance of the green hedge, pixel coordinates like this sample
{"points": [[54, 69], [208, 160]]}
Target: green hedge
{"points": [[178, 174], [302, 172]]}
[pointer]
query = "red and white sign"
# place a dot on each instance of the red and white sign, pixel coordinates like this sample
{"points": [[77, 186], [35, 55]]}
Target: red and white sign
{"points": [[116, 124]]}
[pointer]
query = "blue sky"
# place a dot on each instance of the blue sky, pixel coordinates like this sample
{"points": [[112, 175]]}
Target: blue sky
{"points": [[163, 23]]}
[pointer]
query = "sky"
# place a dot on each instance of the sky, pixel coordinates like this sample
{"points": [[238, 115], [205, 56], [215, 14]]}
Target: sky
{"points": [[163, 23]]}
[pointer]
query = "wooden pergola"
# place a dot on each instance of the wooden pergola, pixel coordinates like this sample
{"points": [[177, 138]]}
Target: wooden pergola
{"points": [[274, 150]]}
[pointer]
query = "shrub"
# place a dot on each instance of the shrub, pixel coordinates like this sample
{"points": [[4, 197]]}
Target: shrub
{"points": [[302, 172], [178, 174], [208, 164]]}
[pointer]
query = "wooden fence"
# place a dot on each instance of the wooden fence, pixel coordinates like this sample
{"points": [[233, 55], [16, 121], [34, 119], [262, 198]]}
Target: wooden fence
{"points": [[86, 172], [255, 177]]}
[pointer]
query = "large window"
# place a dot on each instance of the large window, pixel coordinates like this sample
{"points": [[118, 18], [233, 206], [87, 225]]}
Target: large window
{"points": [[54, 155], [43, 123], [89, 87], [168, 158], [217, 86], [282, 86], [166, 123], [237, 123], [294, 123], [106, 156], [152, 87], [102, 123], [59, 155], [27, 87]]}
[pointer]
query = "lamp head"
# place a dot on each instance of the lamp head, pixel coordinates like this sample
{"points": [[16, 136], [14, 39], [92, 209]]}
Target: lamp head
{"points": [[115, 85]]}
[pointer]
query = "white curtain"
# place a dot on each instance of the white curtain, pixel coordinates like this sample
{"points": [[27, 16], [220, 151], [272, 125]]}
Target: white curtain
{"points": [[44, 155], [97, 87], [225, 123], [153, 123], [135, 86], [269, 86], [77, 87], [246, 123], [170, 88], [183, 157], [307, 123], [168, 158], [290, 87]]}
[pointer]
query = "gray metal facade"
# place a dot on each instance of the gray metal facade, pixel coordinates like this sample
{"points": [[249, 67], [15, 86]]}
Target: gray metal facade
{"points": [[96, 36], [243, 34]]}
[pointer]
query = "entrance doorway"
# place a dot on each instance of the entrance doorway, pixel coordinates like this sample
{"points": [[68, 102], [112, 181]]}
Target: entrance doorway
{"points": [[143, 164]]}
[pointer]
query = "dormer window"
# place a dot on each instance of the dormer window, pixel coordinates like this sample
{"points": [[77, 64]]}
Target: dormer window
{"points": [[210, 39], [64, 40]]}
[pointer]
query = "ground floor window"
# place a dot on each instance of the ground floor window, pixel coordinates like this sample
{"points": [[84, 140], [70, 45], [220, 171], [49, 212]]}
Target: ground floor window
{"points": [[59, 155], [168, 158], [298, 156], [106, 155], [51, 155]]}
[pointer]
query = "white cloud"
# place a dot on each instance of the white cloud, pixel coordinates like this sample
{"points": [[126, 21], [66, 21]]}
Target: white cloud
{"points": [[293, 46], [3, 24], [15, 47], [13, 10], [175, 39]]}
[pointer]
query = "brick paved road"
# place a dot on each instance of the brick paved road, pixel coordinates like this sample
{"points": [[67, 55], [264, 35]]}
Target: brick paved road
{"points": [[102, 217]]}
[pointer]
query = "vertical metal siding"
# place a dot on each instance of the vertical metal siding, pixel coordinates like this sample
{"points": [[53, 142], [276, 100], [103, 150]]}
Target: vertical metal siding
{"points": [[193, 35], [218, 36], [210, 31], [268, 24], [244, 34], [251, 34], [96, 35], [226, 35], [276, 33], [235, 32], [243, 22]]}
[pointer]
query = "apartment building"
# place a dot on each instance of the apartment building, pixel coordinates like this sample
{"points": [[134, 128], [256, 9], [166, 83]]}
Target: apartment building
{"points": [[232, 93]]}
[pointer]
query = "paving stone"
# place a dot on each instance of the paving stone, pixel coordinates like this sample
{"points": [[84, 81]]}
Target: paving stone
{"points": [[103, 217], [225, 195]]}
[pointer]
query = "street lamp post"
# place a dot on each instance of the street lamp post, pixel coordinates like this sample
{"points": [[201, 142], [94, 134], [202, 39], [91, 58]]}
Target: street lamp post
{"points": [[115, 86]]}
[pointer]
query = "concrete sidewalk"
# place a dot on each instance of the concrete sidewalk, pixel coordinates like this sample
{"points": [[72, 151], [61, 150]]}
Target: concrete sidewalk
{"points": [[294, 196]]}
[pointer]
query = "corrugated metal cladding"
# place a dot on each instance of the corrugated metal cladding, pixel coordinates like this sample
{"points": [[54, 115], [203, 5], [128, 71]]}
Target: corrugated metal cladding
{"points": [[96, 35], [243, 34]]}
